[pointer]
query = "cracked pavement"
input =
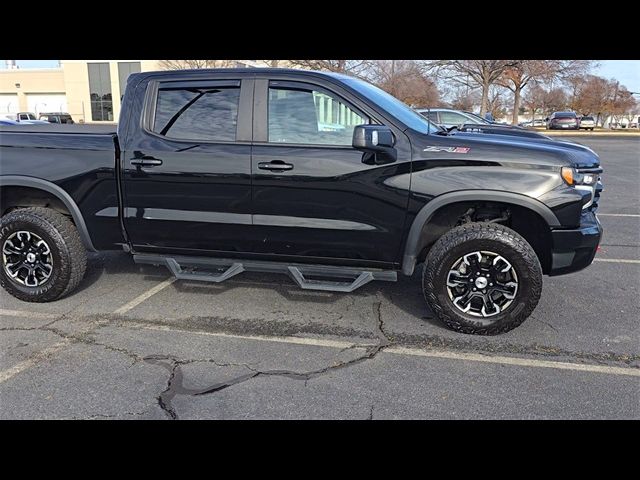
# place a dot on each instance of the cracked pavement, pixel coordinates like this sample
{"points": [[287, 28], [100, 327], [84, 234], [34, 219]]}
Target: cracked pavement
{"points": [[258, 347]]}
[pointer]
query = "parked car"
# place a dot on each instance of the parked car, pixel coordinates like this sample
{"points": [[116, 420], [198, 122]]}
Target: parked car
{"points": [[6, 121], [241, 178], [535, 123], [587, 122], [56, 117], [563, 121], [19, 116], [449, 118]]}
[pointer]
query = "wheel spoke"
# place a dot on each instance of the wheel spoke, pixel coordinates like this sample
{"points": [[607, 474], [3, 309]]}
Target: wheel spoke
{"points": [[457, 279], [10, 249]]}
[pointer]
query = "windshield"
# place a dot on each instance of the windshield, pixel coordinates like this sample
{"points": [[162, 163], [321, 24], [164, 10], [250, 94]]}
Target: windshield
{"points": [[391, 104], [479, 118]]}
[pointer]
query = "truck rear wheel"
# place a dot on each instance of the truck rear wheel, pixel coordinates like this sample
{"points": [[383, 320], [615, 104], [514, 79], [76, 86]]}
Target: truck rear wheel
{"points": [[43, 257], [482, 278]]}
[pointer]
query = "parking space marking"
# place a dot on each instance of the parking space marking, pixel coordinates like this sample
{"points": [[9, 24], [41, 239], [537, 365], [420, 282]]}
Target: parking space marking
{"points": [[448, 354], [30, 362], [618, 215], [615, 260], [141, 298], [316, 342], [21, 313], [516, 361]]}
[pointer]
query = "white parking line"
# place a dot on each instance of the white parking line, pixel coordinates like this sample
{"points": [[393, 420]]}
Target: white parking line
{"points": [[451, 355], [615, 260], [618, 215], [30, 362], [316, 342], [141, 298], [517, 361], [20, 313]]}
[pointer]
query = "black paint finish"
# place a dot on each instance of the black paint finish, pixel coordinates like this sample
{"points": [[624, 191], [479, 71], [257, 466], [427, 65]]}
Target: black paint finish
{"points": [[206, 198]]}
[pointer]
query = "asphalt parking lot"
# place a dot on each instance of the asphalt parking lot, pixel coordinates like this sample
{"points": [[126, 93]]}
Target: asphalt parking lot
{"points": [[134, 344]]}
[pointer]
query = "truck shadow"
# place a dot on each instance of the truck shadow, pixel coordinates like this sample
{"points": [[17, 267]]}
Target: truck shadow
{"points": [[405, 294]]}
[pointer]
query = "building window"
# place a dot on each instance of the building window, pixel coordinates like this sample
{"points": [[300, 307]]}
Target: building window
{"points": [[124, 70], [100, 92]]}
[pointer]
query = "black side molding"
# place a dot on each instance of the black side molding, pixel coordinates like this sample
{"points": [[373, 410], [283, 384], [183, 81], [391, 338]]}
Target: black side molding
{"points": [[64, 197]]}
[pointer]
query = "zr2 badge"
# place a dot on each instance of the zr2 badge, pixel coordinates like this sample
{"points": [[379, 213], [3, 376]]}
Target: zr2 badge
{"points": [[434, 148]]}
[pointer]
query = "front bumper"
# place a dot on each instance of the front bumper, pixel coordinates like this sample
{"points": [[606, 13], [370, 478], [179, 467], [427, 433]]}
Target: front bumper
{"points": [[574, 249]]}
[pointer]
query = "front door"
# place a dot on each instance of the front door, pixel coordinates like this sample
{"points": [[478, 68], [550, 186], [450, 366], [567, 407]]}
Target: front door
{"points": [[313, 196], [187, 169]]}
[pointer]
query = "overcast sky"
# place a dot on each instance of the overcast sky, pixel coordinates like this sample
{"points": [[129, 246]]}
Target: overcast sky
{"points": [[626, 71]]}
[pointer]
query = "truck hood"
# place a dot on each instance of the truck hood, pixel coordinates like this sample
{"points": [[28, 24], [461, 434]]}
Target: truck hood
{"points": [[503, 149]]}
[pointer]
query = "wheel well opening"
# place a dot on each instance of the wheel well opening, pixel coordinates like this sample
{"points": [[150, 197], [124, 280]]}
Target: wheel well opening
{"points": [[13, 198], [524, 221]]}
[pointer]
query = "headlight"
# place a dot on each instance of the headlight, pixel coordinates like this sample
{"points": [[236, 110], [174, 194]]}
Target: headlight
{"points": [[573, 177]]}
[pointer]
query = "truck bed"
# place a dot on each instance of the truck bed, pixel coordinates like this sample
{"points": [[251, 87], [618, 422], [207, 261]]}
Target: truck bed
{"points": [[77, 159], [77, 129]]}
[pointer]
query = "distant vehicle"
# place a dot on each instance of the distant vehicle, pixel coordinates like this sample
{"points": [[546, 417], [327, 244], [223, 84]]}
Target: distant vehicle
{"points": [[20, 116], [563, 121], [588, 123], [8, 121], [536, 123], [56, 117], [449, 118]]}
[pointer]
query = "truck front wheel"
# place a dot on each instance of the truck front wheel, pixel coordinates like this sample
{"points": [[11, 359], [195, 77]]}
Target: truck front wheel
{"points": [[482, 278], [43, 257]]}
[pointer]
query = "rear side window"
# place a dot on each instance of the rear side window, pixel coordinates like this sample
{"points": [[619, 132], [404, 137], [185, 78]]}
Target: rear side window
{"points": [[197, 113]]}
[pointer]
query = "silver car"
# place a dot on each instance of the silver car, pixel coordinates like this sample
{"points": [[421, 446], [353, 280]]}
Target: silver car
{"points": [[588, 123], [449, 118]]}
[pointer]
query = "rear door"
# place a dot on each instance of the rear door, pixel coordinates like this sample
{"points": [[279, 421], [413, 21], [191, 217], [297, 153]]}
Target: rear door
{"points": [[187, 167], [313, 196]]}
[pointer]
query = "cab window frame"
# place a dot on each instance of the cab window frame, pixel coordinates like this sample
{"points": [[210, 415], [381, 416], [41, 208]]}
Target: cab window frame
{"points": [[150, 105]]}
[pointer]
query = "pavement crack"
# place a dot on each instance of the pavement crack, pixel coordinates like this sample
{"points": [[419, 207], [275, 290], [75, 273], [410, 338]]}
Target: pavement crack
{"points": [[370, 413], [548, 325], [85, 338], [175, 383]]}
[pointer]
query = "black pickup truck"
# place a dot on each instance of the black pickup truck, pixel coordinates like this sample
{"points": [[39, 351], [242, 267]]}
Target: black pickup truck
{"points": [[321, 176]]}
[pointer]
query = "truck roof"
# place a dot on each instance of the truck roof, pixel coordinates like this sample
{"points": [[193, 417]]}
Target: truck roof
{"points": [[241, 72]]}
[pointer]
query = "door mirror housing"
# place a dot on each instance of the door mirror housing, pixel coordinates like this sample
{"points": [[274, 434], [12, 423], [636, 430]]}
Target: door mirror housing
{"points": [[377, 142]]}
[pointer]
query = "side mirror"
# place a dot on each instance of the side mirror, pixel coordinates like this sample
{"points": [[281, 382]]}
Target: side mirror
{"points": [[377, 142]]}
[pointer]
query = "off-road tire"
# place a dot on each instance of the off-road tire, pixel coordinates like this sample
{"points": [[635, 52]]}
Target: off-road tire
{"points": [[69, 254], [468, 238]]}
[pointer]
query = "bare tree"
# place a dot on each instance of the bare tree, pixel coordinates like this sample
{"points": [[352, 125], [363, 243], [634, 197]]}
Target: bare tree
{"points": [[516, 78], [465, 99], [356, 68], [404, 80], [534, 100], [474, 73], [194, 64]]}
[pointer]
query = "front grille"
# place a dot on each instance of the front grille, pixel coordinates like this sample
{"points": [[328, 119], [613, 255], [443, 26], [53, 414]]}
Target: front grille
{"points": [[592, 206]]}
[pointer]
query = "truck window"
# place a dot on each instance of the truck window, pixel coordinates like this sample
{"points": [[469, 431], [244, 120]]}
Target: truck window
{"points": [[310, 117], [194, 113]]}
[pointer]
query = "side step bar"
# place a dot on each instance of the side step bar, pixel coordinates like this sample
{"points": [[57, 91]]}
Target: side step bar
{"points": [[190, 268]]}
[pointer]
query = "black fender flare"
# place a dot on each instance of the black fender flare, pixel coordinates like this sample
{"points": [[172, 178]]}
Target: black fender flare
{"points": [[55, 190], [413, 246]]}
